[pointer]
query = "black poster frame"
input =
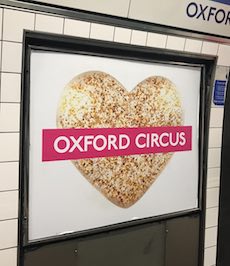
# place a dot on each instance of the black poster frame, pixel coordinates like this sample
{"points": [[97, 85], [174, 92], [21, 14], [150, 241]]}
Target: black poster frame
{"points": [[67, 44]]}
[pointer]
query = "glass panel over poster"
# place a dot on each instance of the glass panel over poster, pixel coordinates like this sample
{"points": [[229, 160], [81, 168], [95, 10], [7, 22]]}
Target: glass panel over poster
{"points": [[113, 140]]}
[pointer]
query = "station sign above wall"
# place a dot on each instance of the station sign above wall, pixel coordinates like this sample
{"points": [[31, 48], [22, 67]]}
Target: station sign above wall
{"points": [[205, 16]]}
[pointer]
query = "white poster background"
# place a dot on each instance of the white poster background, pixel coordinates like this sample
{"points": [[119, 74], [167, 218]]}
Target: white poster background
{"points": [[61, 200]]}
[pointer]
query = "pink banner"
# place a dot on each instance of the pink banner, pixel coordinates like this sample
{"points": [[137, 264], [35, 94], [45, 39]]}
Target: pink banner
{"points": [[74, 144]]}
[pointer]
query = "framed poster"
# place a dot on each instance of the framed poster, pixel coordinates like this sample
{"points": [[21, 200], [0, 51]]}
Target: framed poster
{"points": [[112, 136]]}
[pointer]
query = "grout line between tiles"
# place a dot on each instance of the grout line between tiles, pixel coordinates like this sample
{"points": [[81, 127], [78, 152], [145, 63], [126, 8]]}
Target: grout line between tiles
{"points": [[146, 38], [11, 132], [185, 41], [63, 27], [131, 35], [212, 246], [216, 206], [166, 42], [212, 226], [13, 161], [35, 17], [113, 34], [213, 187], [10, 41], [10, 102], [8, 190], [90, 29], [217, 107], [218, 48], [10, 219], [212, 208], [11, 72], [1, 249], [202, 44], [213, 167], [220, 128], [213, 148]]}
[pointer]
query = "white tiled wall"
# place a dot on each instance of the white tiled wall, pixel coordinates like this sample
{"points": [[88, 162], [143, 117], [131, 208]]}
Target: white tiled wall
{"points": [[8, 257], [122, 35], [14, 21], [13, 51], [9, 176], [9, 117], [193, 46], [213, 177], [49, 23], [9, 205], [8, 233], [156, 40], [138, 37], [175, 43], [76, 28], [12, 31], [102, 32], [210, 48], [210, 256], [10, 87]]}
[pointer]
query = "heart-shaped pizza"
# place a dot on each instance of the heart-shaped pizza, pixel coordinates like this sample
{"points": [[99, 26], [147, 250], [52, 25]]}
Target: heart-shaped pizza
{"points": [[97, 100]]}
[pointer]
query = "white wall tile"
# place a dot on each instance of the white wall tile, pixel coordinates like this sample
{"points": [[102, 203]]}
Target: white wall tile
{"points": [[210, 236], [8, 233], [0, 50], [222, 72], [216, 117], [213, 179], [156, 40], [9, 117], [212, 197], [1, 14], [8, 205], [210, 256], [138, 37], [215, 137], [193, 46], [214, 156], [175, 43], [211, 217], [9, 146], [14, 22], [102, 32], [9, 176], [210, 48], [224, 55], [10, 87], [49, 23], [77, 28], [8, 257], [11, 57], [122, 35]]}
